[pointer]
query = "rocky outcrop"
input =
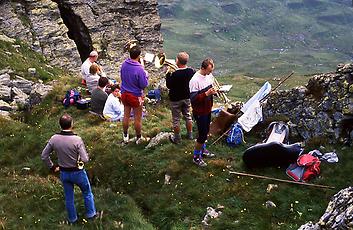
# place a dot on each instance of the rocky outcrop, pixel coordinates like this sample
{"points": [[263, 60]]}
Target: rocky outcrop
{"points": [[65, 31], [338, 215], [17, 93], [320, 108]]}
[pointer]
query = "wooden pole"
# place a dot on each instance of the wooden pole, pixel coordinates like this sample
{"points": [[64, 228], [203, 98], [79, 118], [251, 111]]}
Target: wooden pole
{"points": [[280, 180]]}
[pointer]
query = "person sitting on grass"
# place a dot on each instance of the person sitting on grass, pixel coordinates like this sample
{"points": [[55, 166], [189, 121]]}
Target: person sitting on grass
{"points": [[113, 108], [93, 77], [70, 149], [92, 58], [99, 96]]}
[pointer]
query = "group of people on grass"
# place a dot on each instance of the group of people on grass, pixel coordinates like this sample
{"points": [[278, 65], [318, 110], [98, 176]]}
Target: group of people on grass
{"points": [[187, 89]]}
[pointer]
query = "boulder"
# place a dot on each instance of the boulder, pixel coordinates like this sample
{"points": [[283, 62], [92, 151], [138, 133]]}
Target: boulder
{"points": [[23, 84], [5, 93], [5, 79], [338, 214], [4, 106], [19, 97]]}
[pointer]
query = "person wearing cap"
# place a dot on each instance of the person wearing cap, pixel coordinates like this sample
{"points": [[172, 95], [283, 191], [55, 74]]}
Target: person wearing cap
{"points": [[134, 79], [70, 149], [93, 56]]}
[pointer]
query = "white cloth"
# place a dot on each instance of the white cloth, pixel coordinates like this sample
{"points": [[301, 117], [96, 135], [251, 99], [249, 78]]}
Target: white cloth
{"points": [[251, 116], [92, 82], [113, 108], [199, 82], [263, 91], [85, 68]]}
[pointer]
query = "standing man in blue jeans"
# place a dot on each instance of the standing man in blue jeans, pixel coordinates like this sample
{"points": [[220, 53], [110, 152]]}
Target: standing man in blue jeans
{"points": [[70, 149]]}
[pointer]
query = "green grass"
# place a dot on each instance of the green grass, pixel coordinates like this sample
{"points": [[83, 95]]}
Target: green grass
{"points": [[260, 38], [21, 58], [128, 181]]}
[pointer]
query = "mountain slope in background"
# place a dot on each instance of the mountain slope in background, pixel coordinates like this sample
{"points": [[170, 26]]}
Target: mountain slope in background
{"points": [[262, 37]]}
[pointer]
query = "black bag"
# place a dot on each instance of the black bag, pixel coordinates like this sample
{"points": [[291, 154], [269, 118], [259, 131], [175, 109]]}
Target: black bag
{"points": [[83, 104]]}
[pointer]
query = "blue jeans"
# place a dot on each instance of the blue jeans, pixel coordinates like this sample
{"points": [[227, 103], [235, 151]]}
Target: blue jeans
{"points": [[79, 178]]}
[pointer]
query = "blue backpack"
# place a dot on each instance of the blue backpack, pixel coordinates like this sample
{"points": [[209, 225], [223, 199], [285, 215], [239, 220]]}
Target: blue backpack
{"points": [[71, 97], [235, 135]]}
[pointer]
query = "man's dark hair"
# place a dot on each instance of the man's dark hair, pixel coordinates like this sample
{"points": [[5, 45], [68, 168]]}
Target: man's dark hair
{"points": [[114, 87], [206, 63], [65, 121], [135, 52], [102, 82]]}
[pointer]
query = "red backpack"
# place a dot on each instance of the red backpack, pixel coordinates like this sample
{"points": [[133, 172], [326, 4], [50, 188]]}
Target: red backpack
{"points": [[307, 167]]}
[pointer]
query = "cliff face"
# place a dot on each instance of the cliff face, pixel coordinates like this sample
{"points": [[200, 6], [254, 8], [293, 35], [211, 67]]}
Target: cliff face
{"points": [[65, 31]]}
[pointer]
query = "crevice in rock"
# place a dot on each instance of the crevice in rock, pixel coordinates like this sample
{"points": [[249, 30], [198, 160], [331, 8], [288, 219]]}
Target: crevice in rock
{"points": [[92, 9], [78, 31]]}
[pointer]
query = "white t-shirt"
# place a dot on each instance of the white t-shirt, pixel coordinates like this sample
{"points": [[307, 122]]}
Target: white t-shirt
{"points": [[85, 68], [113, 108], [199, 82], [92, 82]]}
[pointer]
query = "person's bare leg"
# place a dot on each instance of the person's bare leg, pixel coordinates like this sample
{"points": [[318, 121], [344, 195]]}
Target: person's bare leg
{"points": [[198, 146], [138, 120], [189, 128], [126, 118]]}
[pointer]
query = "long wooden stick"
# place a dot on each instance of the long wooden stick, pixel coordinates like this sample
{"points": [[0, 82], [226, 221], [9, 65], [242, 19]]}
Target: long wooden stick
{"points": [[278, 85], [280, 180], [220, 136]]}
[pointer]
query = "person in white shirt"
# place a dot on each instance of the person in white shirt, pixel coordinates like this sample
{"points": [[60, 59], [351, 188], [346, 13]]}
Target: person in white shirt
{"points": [[93, 77], [113, 108], [93, 56]]}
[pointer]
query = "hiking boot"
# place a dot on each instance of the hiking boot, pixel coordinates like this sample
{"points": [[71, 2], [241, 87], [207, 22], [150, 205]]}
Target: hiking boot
{"points": [[126, 138], [199, 162], [141, 140], [206, 153], [174, 140]]}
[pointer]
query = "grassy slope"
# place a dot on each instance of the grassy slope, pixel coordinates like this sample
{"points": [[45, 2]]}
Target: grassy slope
{"points": [[260, 37], [128, 181]]}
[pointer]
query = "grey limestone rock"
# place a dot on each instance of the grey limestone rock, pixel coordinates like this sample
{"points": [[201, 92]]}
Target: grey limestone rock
{"points": [[317, 109]]}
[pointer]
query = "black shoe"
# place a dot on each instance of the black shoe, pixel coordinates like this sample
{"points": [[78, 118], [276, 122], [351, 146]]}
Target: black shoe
{"points": [[98, 215]]}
